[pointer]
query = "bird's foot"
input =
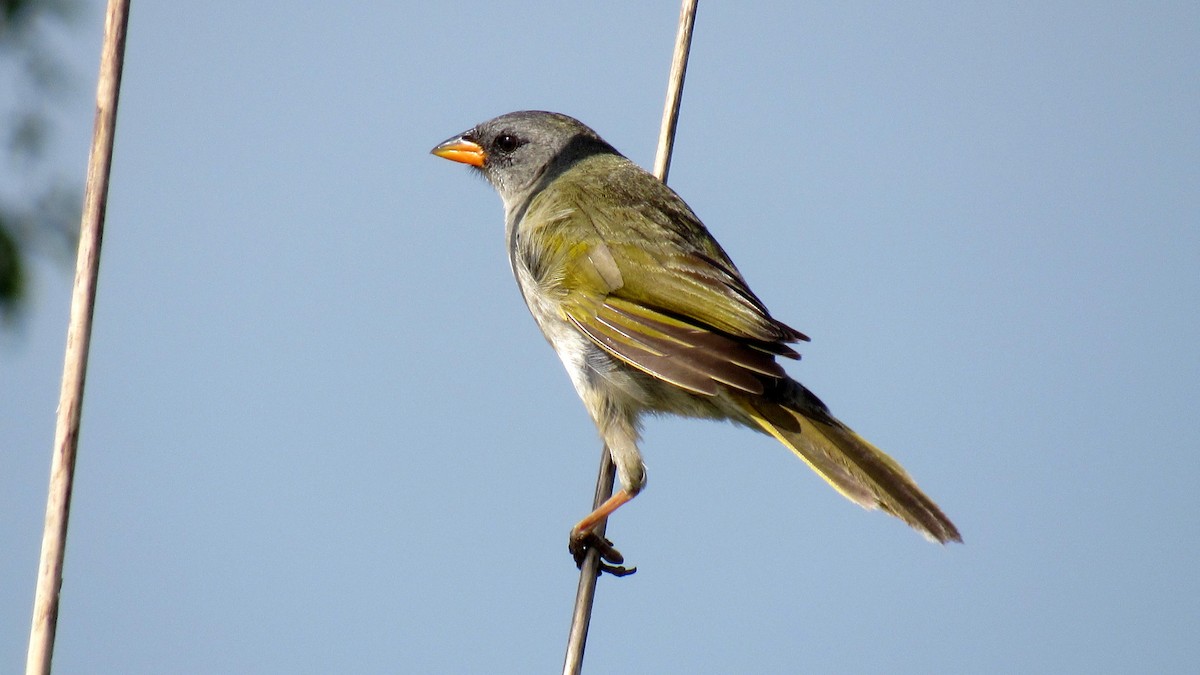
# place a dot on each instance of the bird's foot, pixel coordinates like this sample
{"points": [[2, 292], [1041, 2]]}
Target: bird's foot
{"points": [[610, 558]]}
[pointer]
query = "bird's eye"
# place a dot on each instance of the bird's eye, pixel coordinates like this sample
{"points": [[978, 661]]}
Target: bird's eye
{"points": [[508, 142]]}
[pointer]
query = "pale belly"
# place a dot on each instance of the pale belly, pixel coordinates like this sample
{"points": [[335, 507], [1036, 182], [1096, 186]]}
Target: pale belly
{"points": [[608, 385]]}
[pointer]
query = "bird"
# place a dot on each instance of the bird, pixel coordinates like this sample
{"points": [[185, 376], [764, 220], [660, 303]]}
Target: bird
{"points": [[650, 317]]}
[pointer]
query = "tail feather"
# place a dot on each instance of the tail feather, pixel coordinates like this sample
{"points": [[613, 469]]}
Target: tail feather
{"points": [[860, 471]]}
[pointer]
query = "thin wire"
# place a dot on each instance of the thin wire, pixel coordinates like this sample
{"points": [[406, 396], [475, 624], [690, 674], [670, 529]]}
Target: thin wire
{"points": [[589, 571], [79, 332]]}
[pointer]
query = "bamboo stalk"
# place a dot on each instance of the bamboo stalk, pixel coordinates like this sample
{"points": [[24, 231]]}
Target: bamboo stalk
{"points": [[589, 571], [683, 47], [79, 332]]}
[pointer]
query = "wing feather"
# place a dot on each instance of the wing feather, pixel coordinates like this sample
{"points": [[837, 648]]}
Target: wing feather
{"points": [[640, 276]]}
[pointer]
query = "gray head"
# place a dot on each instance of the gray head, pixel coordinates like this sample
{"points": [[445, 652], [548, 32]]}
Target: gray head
{"points": [[516, 150]]}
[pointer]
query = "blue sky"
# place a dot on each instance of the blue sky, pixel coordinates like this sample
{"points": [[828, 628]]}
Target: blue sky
{"points": [[322, 434]]}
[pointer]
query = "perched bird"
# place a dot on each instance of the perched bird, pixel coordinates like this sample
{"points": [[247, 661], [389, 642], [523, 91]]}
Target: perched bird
{"points": [[649, 315]]}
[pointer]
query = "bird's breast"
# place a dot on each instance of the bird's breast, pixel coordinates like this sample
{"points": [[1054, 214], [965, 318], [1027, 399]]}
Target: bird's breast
{"points": [[572, 347]]}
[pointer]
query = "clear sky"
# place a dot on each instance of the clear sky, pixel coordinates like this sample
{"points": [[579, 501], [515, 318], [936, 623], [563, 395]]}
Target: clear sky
{"points": [[322, 434]]}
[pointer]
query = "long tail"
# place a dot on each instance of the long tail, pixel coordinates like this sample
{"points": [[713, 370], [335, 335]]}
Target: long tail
{"points": [[857, 469]]}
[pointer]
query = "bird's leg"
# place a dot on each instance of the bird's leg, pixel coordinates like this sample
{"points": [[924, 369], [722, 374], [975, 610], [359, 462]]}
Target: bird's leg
{"points": [[618, 427], [584, 537]]}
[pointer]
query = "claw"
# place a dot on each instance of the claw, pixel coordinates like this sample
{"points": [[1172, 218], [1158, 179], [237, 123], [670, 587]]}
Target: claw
{"points": [[610, 557]]}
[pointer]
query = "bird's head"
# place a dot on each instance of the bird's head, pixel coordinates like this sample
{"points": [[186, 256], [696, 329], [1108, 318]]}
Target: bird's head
{"points": [[517, 151]]}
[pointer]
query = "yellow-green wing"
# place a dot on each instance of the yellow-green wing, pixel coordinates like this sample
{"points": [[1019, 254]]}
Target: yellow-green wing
{"points": [[637, 273], [684, 354]]}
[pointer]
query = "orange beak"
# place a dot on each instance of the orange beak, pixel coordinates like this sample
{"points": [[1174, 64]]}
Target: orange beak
{"points": [[459, 149]]}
